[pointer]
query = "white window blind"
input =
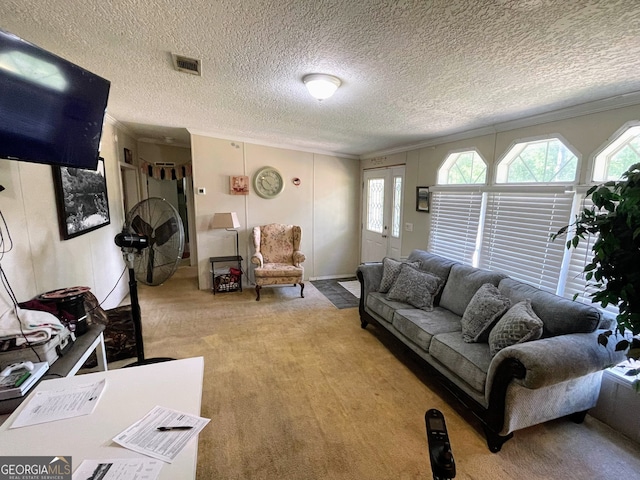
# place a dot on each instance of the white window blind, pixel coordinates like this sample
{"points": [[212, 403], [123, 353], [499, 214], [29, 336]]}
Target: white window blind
{"points": [[454, 224], [516, 236], [582, 255]]}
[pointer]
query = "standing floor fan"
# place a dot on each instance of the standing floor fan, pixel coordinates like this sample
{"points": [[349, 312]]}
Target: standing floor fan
{"points": [[152, 242]]}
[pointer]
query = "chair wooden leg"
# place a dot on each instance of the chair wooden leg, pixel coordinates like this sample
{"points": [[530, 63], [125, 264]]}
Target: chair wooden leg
{"points": [[257, 293], [302, 289]]}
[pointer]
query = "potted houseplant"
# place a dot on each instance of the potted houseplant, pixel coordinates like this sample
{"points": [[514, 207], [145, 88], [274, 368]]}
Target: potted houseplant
{"points": [[614, 270]]}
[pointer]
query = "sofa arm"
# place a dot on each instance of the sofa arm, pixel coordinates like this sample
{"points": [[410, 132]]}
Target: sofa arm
{"points": [[370, 275], [553, 360]]}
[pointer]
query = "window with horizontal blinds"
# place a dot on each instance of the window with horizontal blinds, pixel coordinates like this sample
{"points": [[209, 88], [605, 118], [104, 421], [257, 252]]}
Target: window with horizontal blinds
{"points": [[516, 237], [454, 224], [580, 256]]}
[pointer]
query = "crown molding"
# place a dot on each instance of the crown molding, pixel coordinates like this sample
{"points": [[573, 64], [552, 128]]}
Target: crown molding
{"points": [[597, 106], [164, 143], [271, 144], [119, 125]]}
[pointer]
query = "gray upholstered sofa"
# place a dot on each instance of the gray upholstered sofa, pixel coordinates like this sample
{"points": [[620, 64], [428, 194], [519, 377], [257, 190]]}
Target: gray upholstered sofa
{"points": [[508, 389]]}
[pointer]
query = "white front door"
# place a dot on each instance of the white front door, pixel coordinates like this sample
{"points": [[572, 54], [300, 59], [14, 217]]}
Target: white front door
{"points": [[382, 213]]}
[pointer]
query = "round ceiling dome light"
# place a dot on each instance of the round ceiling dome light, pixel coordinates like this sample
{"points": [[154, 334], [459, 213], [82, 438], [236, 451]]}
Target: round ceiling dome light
{"points": [[321, 86]]}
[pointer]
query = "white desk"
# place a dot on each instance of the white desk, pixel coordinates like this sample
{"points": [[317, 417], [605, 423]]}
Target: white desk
{"points": [[129, 394]]}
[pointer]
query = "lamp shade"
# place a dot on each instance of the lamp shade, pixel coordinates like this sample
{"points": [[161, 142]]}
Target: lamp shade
{"points": [[225, 220], [321, 86]]}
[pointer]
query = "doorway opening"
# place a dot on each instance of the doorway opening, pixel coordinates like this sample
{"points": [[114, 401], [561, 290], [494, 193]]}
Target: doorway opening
{"points": [[174, 192]]}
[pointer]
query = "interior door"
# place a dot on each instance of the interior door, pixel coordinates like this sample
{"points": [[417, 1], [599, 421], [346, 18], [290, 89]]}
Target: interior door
{"points": [[382, 213]]}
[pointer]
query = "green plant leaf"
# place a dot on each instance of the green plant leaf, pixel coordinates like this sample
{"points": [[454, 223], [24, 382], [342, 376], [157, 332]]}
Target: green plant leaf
{"points": [[622, 345], [634, 353], [603, 339]]}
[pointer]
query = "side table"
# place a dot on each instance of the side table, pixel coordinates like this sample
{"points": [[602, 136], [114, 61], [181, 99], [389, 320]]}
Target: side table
{"points": [[224, 281], [69, 364]]}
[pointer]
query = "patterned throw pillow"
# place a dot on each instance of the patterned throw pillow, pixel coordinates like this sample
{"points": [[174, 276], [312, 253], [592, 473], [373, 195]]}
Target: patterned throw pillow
{"points": [[520, 324], [390, 271], [484, 309], [415, 287]]}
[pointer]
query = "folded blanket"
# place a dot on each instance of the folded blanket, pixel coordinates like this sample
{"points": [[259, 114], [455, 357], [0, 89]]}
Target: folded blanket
{"points": [[37, 326]]}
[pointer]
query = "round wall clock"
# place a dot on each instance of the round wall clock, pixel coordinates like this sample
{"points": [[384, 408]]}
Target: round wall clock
{"points": [[268, 182]]}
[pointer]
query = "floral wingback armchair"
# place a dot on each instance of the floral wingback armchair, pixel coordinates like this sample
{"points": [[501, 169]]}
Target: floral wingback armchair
{"points": [[277, 256]]}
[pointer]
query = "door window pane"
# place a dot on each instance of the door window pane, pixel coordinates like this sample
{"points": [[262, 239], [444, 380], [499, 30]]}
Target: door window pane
{"points": [[375, 207], [397, 204]]}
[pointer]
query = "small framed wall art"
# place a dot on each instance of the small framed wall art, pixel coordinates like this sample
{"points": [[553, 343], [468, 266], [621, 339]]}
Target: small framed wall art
{"points": [[239, 185], [128, 156], [422, 199]]}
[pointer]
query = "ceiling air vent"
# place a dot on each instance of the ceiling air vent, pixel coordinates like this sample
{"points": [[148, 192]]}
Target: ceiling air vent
{"points": [[186, 64], [164, 164]]}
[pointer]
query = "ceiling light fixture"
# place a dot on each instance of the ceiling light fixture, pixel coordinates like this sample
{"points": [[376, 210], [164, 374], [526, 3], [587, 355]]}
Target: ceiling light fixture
{"points": [[321, 86]]}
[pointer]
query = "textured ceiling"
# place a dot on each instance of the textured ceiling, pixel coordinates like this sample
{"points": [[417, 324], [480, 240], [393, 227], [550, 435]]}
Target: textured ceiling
{"points": [[411, 70]]}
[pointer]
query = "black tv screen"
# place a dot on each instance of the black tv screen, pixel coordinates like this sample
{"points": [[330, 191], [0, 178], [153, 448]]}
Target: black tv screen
{"points": [[51, 111]]}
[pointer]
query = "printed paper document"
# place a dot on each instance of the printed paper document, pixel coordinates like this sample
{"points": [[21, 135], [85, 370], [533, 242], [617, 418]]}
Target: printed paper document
{"points": [[119, 469], [144, 436], [51, 405]]}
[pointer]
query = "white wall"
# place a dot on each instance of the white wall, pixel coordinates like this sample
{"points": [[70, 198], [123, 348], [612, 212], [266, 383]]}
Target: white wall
{"points": [[40, 260], [325, 204]]}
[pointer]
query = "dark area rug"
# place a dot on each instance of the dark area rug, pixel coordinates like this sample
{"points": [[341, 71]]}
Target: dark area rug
{"points": [[339, 296]]}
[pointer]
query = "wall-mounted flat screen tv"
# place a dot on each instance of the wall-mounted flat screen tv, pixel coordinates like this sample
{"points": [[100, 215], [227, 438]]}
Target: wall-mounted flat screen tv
{"points": [[51, 111]]}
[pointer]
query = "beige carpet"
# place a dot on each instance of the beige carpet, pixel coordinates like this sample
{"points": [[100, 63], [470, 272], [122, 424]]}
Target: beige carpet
{"points": [[295, 389]]}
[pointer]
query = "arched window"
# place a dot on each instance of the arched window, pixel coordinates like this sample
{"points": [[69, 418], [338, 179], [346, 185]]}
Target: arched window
{"points": [[455, 213], [609, 165], [463, 168], [546, 160], [518, 222], [507, 226], [618, 156]]}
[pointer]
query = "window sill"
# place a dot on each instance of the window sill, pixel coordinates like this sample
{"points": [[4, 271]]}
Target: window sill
{"points": [[619, 376]]}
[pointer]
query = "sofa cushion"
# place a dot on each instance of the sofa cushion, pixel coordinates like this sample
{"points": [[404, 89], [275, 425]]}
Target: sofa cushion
{"points": [[377, 303], [390, 272], [520, 324], [483, 311], [469, 361], [462, 284], [415, 287], [559, 315], [419, 326], [432, 263]]}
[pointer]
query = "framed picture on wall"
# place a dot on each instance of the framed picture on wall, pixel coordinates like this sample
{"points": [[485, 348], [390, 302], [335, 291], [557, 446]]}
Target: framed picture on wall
{"points": [[128, 156], [422, 199], [239, 185], [81, 196]]}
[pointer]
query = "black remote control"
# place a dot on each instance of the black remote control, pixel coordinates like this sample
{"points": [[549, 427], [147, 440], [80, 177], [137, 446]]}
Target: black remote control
{"points": [[443, 466]]}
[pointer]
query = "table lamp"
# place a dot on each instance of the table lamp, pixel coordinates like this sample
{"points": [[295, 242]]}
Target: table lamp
{"points": [[228, 221]]}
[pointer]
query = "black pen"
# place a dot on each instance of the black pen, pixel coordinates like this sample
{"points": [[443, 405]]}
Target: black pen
{"points": [[180, 427]]}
